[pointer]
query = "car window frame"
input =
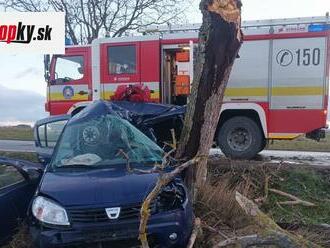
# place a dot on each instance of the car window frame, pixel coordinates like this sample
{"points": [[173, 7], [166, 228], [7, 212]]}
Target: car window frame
{"points": [[44, 125]]}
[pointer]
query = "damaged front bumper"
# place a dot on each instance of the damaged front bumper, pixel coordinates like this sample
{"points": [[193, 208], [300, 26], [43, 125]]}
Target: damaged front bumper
{"points": [[168, 229]]}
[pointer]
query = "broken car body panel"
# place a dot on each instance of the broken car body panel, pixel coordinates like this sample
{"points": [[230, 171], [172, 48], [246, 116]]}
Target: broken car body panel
{"points": [[18, 182]]}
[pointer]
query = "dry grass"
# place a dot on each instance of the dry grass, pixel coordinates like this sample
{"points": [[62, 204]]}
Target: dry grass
{"points": [[228, 212], [217, 206], [21, 239], [315, 234]]}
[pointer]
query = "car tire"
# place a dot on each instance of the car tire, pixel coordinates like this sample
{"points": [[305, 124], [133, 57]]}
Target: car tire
{"points": [[240, 138]]}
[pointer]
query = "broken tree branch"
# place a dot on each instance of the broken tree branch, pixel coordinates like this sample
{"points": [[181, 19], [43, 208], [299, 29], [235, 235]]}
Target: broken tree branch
{"points": [[125, 155], [163, 180], [174, 139], [194, 234], [157, 167], [295, 200], [269, 231], [214, 230]]}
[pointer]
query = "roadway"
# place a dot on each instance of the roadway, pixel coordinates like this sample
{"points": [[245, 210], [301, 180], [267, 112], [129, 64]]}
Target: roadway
{"points": [[298, 157], [17, 146]]}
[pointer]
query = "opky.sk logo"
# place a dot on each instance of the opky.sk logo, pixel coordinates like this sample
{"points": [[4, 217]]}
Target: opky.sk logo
{"points": [[21, 33], [32, 32]]}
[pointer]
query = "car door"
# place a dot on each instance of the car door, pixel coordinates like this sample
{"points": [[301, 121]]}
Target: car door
{"points": [[46, 133], [18, 182]]}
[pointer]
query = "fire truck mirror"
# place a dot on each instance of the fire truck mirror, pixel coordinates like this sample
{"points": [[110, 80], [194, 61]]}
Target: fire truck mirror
{"points": [[46, 67]]}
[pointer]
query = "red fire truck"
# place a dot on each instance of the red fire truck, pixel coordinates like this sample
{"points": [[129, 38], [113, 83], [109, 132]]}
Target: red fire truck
{"points": [[278, 88]]}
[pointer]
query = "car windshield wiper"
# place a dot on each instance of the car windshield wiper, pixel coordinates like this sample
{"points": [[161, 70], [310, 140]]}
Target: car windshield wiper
{"points": [[78, 166]]}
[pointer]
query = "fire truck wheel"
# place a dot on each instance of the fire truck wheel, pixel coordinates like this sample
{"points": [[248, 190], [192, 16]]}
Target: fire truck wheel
{"points": [[240, 138]]}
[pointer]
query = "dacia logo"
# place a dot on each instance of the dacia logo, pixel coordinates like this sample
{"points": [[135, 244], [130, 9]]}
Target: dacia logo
{"points": [[113, 213]]}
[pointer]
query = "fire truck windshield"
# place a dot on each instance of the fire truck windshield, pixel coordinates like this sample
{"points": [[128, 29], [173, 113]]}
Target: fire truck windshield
{"points": [[69, 68]]}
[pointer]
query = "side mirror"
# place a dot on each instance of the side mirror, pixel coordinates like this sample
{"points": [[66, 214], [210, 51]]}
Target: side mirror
{"points": [[34, 174], [52, 82], [46, 67]]}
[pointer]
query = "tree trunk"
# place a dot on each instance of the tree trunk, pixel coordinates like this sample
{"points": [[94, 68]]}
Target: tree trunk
{"points": [[219, 41]]}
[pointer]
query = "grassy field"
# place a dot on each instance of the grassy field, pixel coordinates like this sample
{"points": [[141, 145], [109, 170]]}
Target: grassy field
{"points": [[302, 144], [16, 133], [307, 185], [20, 155]]}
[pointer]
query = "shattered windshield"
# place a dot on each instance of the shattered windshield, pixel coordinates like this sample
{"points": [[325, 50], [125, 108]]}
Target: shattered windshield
{"points": [[102, 142]]}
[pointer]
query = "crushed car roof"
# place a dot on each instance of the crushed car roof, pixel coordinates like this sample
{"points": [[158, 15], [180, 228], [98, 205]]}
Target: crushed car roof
{"points": [[136, 113]]}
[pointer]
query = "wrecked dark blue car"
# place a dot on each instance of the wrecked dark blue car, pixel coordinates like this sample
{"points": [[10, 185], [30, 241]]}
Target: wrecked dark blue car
{"points": [[90, 194]]}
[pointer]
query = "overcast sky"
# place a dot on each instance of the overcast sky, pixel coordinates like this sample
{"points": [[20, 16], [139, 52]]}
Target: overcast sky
{"points": [[22, 88]]}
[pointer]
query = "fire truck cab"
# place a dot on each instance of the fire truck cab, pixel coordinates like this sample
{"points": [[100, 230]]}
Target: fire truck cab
{"points": [[278, 88]]}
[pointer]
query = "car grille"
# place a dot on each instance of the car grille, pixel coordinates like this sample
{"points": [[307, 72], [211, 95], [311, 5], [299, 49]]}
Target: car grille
{"points": [[96, 215]]}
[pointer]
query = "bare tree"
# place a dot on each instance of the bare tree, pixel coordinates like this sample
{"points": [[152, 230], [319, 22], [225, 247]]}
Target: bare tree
{"points": [[89, 19]]}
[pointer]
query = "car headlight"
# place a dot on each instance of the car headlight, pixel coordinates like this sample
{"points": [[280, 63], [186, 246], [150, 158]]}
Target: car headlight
{"points": [[172, 197], [49, 212]]}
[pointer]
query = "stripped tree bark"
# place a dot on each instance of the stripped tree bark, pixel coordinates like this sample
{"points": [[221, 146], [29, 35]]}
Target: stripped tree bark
{"points": [[219, 41]]}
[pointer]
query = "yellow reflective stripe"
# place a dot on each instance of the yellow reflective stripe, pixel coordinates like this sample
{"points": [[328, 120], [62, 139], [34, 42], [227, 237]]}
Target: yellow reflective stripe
{"points": [[230, 92], [297, 91], [155, 95], [59, 97], [277, 91], [107, 95], [283, 135]]}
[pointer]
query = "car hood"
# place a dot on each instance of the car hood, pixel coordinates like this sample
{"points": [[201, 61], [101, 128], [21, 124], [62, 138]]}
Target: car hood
{"points": [[97, 187]]}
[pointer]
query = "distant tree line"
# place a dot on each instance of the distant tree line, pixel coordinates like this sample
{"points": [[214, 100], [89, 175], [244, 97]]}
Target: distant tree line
{"points": [[89, 19]]}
